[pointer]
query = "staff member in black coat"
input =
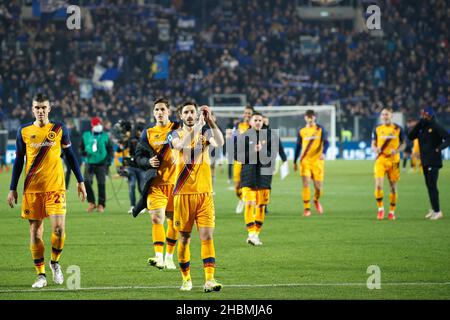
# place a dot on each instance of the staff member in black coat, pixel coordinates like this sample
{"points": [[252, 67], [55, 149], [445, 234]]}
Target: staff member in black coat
{"points": [[257, 152], [432, 140]]}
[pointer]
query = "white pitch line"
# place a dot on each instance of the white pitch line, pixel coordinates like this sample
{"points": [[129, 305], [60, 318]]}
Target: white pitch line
{"points": [[343, 284]]}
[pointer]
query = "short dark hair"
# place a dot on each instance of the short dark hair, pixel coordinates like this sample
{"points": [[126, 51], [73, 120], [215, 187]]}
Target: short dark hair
{"points": [[257, 114], [40, 97], [310, 113], [186, 103], [162, 100], [250, 107]]}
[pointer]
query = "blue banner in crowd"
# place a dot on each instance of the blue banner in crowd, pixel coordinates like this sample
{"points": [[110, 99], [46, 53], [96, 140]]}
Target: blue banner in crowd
{"points": [[110, 74], [160, 66], [46, 10]]}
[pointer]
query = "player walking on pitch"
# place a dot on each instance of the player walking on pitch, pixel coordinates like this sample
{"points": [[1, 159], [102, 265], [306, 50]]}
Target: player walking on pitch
{"points": [[312, 145], [387, 141], [160, 197], [240, 128], [44, 193], [256, 174], [193, 199]]}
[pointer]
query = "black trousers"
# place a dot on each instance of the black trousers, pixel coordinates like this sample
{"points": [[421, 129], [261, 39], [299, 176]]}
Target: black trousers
{"points": [[431, 178], [100, 173]]}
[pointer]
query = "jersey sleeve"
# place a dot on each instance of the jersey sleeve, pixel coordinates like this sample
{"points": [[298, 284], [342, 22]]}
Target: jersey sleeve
{"points": [[20, 144], [19, 162], [206, 132], [65, 140], [298, 146], [324, 140], [374, 134], [172, 135]]}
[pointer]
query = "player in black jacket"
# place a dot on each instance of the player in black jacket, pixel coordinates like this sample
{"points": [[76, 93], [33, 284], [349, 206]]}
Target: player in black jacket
{"points": [[432, 140], [257, 151]]}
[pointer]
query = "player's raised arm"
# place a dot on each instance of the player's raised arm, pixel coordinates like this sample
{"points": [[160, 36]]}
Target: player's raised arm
{"points": [[17, 169], [216, 139]]}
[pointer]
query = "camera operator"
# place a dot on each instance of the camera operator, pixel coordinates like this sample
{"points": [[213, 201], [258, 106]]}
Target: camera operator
{"points": [[128, 138]]}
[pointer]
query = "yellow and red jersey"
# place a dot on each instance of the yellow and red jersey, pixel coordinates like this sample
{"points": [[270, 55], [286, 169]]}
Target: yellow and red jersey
{"points": [[241, 127], [311, 143], [388, 138], [157, 137], [42, 147], [193, 171]]}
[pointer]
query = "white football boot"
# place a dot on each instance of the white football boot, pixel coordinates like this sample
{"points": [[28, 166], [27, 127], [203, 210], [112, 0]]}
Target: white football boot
{"points": [[58, 276], [186, 285], [429, 214], [168, 262], [437, 215], [156, 261], [41, 281]]}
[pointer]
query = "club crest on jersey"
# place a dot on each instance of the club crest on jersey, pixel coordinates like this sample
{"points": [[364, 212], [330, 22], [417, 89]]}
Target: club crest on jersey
{"points": [[51, 136]]}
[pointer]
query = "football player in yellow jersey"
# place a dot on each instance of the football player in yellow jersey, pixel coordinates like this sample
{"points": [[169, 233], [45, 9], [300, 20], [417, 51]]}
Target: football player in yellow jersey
{"points": [[160, 197], [312, 145], [44, 193], [387, 142], [240, 128], [193, 200]]}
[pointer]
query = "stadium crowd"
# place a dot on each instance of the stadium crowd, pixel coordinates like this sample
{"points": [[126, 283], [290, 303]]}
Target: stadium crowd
{"points": [[251, 47]]}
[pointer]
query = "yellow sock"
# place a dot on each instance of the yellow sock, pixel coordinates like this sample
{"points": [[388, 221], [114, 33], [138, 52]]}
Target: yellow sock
{"points": [[393, 201], [171, 238], [209, 258], [317, 194], [379, 194], [249, 217], [184, 257], [158, 236], [306, 195], [57, 246], [37, 253], [259, 218]]}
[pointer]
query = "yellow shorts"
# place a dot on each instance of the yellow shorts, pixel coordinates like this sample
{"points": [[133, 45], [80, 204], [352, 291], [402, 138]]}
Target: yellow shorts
{"points": [[160, 197], [190, 208], [313, 169], [383, 167], [37, 206], [237, 167], [259, 196]]}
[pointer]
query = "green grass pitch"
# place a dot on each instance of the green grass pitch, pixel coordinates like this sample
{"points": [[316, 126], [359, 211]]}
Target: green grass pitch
{"points": [[320, 257]]}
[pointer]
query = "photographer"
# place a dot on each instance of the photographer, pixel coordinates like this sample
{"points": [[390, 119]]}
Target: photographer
{"points": [[97, 147], [127, 140]]}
